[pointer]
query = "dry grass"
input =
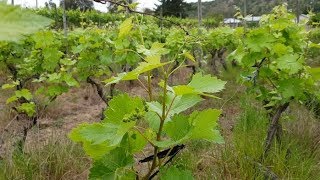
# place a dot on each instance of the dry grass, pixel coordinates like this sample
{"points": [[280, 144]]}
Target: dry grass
{"points": [[297, 157], [59, 159]]}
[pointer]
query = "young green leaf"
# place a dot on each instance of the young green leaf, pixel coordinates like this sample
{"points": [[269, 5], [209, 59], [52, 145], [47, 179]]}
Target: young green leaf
{"points": [[123, 106], [206, 83], [174, 173], [200, 85], [125, 27], [25, 93], [106, 135], [205, 125], [112, 166], [178, 104], [15, 22], [198, 126], [28, 108]]}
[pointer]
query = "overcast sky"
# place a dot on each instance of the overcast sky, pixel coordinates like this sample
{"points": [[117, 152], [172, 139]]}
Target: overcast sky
{"points": [[101, 7]]}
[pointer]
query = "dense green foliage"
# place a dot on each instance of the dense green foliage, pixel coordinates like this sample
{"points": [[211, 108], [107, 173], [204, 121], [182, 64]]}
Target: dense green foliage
{"points": [[77, 18], [83, 5], [313, 52], [315, 20], [175, 8], [273, 56]]}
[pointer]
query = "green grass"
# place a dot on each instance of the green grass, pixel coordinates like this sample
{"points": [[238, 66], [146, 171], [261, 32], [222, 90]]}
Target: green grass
{"points": [[59, 159], [296, 157]]}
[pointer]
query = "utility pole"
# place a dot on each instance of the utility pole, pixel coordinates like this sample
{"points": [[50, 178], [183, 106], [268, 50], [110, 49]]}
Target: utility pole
{"points": [[298, 11], [65, 27], [12, 2], [36, 4], [199, 30], [199, 13], [64, 19], [127, 8], [245, 13], [161, 22]]}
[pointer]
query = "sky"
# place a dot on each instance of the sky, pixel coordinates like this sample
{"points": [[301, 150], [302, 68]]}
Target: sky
{"points": [[142, 3]]}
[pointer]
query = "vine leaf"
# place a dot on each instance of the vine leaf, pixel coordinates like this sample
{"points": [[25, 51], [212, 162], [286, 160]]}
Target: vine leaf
{"points": [[123, 106], [100, 138], [113, 166], [121, 116], [153, 120], [205, 125], [51, 58], [206, 83], [15, 22], [152, 61], [125, 28], [23, 93], [174, 105], [174, 173], [201, 85], [291, 63], [70, 80], [137, 141], [199, 125], [181, 103], [28, 108], [181, 122], [292, 87], [315, 73], [189, 56], [258, 40], [155, 107], [153, 55]]}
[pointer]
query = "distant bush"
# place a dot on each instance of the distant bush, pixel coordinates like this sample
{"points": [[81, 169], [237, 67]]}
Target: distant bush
{"points": [[314, 53], [315, 20], [188, 22], [77, 18]]}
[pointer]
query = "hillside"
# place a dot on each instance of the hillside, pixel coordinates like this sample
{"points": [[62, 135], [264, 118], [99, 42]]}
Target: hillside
{"points": [[255, 7]]}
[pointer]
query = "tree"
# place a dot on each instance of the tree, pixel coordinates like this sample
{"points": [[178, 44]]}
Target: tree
{"points": [[177, 8], [50, 5], [148, 11], [83, 5], [112, 7]]}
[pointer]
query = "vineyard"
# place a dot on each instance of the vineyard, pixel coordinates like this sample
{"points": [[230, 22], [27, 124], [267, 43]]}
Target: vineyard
{"points": [[131, 95]]}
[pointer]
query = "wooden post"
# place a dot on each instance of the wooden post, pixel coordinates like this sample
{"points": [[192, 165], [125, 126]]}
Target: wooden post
{"points": [[127, 8], [161, 24], [298, 11], [199, 13], [65, 27], [64, 18], [199, 31], [245, 13]]}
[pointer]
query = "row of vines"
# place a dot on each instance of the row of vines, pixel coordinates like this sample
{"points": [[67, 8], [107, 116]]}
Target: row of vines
{"points": [[44, 65]]}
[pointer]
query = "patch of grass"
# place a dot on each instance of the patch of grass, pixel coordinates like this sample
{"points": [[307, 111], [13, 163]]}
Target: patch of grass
{"points": [[295, 157], [291, 158], [59, 159]]}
